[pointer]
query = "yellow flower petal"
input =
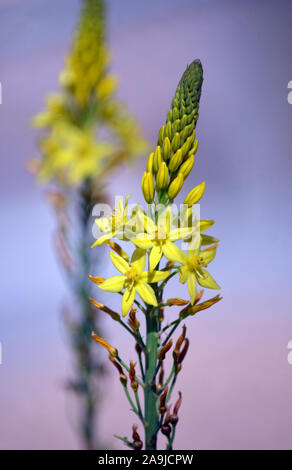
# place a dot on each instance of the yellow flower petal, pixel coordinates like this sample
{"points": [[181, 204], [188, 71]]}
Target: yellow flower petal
{"points": [[173, 252], [155, 257], [142, 242], [183, 274], [113, 284], [180, 233], [192, 287], [146, 293], [139, 259], [208, 255], [205, 224], [119, 262], [154, 276], [205, 279], [128, 300], [102, 240]]}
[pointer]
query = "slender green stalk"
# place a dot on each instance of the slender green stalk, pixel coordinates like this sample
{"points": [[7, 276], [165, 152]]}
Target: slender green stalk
{"points": [[139, 406], [171, 439], [124, 439], [130, 400], [151, 414]]}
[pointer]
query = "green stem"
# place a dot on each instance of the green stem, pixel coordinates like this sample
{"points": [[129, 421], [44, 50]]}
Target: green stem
{"points": [[130, 400], [151, 415], [135, 336], [171, 439], [139, 406], [171, 387], [176, 324], [124, 439], [141, 366]]}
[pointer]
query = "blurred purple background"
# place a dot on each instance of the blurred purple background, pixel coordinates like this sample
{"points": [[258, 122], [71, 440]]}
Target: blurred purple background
{"points": [[236, 381]]}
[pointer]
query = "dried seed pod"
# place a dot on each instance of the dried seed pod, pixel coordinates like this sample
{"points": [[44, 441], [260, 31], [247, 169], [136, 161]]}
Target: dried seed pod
{"points": [[179, 342], [132, 321], [174, 416], [162, 405], [114, 315], [132, 376], [137, 443], [119, 368], [162, 352]]}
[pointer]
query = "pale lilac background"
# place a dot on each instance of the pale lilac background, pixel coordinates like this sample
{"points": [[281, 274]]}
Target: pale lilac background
{"points": [[236, 381]]}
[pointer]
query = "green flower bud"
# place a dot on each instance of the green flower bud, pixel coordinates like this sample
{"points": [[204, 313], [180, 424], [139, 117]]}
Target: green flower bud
{"points": [[175, 186], [166, 149], [187, 166], [169, 115], [175, 143], [149, 163], [195, 194], [183, 121], [176, 125], [162, 177], [175, 114], [185, 133], [168, 131], [148, 187], [161, 135], [175, 161], [185, 104], [188, 144], [194, 149], [157, 159]]}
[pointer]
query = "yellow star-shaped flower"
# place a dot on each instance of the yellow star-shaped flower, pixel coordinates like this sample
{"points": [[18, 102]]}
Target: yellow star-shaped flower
{"points": [[113, 224], [159, 238], [134, 280], [192, 269]]}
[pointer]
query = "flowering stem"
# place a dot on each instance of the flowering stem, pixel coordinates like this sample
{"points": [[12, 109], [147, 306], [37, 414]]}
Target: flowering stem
{"points": [[151, 415], [137, 337], [130, 400], [176, 324], [141, 366], [139, 406], [172, 385], [124, 439], [171, 439]]}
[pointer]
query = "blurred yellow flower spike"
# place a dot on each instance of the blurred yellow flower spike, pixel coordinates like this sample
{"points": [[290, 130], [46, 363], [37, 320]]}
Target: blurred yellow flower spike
{"points": [[70, 152], [133, 280]]}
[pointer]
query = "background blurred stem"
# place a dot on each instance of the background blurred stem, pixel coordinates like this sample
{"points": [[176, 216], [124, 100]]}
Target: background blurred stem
{"points": [[87, 367]]}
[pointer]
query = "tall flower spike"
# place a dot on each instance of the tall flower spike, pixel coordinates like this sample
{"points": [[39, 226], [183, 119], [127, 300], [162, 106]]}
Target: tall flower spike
{"points": [[155, 233]]}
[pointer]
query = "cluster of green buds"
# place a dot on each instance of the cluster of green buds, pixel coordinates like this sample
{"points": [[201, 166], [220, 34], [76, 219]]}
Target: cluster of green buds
{"points": [[172, 160]]}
